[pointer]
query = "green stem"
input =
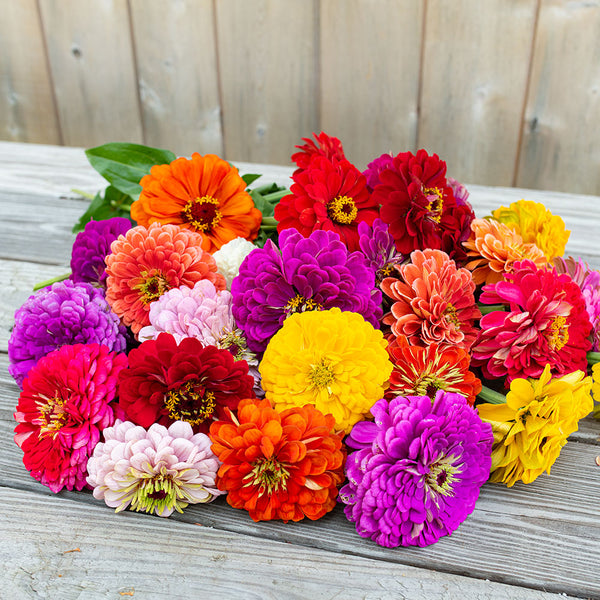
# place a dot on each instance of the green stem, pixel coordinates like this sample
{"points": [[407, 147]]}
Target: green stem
{"points": [[82, 193], [593, 357], [263, 188], [488, 308], [276, 195], [268, 223], [491, 396], [43, 284]]}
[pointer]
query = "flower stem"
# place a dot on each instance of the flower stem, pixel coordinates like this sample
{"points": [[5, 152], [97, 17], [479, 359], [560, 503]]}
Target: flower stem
{"points": [[491, 396], [276, 195], [82, 193], [43, 284], [593, 357], [268, 222], [263, 188], [488, 308]]}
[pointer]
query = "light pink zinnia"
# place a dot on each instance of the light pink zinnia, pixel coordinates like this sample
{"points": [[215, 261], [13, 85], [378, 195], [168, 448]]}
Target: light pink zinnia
{"points": [[433, 301], [159, 470], [590, 289]]}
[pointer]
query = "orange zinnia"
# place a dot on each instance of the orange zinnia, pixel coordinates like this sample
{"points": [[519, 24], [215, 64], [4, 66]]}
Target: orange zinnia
{"points": [[204, 194], [276, 465]]}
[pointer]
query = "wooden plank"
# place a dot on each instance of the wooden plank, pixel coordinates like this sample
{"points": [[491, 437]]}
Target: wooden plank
{"points": [[475, 68], [27, 110], [177, 75], [560, 148], [91, 57], [369, 90], [267, 64]]}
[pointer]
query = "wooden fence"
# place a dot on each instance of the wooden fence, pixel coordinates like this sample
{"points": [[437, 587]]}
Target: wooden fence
{"points": [[506, 91]]}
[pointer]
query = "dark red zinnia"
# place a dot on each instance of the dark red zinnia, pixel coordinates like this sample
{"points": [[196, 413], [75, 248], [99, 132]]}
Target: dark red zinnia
{"points": [[418, 204], [330, 195], [327, 146], [166, 382]]}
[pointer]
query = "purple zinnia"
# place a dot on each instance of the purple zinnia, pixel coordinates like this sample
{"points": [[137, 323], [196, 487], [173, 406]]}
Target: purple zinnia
{"points": [[375, 168], [91, 247], [418, 469], [379, 248], [65, 313], [314, 273]]}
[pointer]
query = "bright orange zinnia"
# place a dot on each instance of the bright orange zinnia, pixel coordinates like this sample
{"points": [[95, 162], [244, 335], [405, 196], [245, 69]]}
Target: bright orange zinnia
{"points": [[279, 465], [205, 194], [145, 263]]}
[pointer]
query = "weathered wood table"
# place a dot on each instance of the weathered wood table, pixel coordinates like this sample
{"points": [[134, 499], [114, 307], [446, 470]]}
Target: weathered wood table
{"points": [[534, 541]]}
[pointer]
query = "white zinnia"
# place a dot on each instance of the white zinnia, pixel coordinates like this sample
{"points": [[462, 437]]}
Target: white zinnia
{"points": [[230, 257]]}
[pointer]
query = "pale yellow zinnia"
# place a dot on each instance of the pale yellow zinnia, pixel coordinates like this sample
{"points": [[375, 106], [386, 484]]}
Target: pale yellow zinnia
{"points": [[596, 389], [331, 359], [534, 424]]}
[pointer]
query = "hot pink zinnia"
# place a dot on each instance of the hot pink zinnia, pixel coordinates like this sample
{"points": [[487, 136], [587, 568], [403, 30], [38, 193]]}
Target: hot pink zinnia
{"points": [[65, 403], [433, 301], [546, 323]]}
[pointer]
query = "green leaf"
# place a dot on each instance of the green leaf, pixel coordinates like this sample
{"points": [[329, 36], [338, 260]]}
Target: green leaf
{"points": [[250, 178], [114, 204], [123, 165]]}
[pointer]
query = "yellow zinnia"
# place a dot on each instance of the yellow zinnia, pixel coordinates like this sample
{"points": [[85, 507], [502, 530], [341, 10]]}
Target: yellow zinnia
{"points": [[596, 389], [534, 424], [536, 225], [334, 360]]}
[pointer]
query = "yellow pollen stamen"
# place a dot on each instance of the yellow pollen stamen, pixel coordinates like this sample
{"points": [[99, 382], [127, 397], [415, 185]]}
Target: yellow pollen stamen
{"points": [[52, 416], [451, 315], [190, 403], [342, 210], [269, 474], [301, 304], [441, 476], [436, 203], [202, 213], [152, 286], [321, 375], [559, 333]]}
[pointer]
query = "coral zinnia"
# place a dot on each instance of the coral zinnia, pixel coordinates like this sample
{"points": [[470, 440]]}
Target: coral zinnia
{"points": [[204, 194], [418, 469], [330, 195], [423, 371], [313, 273], [433, 301], [145, 263], [332, 359], [166, 382], [418, 204], [155, 471], [279, 465], [547, 323], [67, 400], [326, 145], [533, 425]]}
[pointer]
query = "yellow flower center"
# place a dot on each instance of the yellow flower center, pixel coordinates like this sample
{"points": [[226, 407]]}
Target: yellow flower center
{"points": [[441, 476], [191, 402], [300, 304], [559, 333], [155, 491], [436, 203], [269, 474], [152, 286], [321, 375], [53, 415], [202, 213], [342, 210], [451, 315]]}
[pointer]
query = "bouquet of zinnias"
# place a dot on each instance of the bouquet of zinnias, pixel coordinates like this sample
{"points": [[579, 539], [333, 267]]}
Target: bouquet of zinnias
{"points": [[292, 349]]}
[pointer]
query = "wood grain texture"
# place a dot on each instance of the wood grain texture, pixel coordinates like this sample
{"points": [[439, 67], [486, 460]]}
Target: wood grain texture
{"points": [[268, 76], [177, 75], [560, 147], [370, 64], [27, 110], [475, 67], [91, 57]]}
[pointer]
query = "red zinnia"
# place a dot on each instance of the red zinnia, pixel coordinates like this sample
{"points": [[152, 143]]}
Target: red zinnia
{"points": [[418, 204], [284, 465], [330, 195], [166, 382], [327, 146]]}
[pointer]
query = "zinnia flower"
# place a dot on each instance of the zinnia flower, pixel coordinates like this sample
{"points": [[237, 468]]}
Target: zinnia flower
{"points": [[204, 194], [329, 195], [494, 249], [596, 389], [314, 273], [155, 471], [379, 249], [166, 382], [230, 257], [65, 313], [67, 400], [547, 324], [433, 301], [326, 145], [90, 248], [332, 359], [279, 465], [423, 371], [145, 263], [534, 424], [461, 194], [536, 225], [418, 469], [418, 204], [375, 168]]}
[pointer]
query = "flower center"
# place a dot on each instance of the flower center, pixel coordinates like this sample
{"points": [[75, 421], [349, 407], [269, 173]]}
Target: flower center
{"points": [[152, 287], [321, 375], [435, 196], [202, 213], [268, 474], [53, 415], [342, 210], [235, 342], [300, 304], [559, 333], [155, 491], [191, 402], [451, 315], [429, 385], [442, 474]]}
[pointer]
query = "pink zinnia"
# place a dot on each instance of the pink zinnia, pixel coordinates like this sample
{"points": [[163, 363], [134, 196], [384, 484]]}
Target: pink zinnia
{"points": [[546, 323], [65, 403], [433, 301]]}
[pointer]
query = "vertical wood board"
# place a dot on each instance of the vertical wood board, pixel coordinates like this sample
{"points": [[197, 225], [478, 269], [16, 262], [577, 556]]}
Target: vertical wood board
{"points": [[178, 77], [370, 64], [91, 57], [475, 68], [27, 110], [561, 139]]}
